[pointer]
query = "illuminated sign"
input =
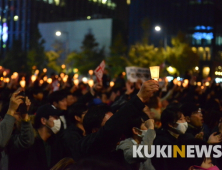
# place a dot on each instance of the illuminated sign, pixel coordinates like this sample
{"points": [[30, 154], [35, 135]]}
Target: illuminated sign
{"points": [[203, 35], [201, 27], [4, 32]]}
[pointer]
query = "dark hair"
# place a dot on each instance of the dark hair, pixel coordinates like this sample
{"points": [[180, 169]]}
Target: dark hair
{"points": [[57, 96], [170, 116], [134, 123], [76, 109], [212, 118], [37, 121], [35, 91], [94, 117]]}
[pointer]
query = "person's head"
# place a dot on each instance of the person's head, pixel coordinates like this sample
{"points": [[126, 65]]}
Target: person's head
{"points": [[70, 99], [58, 99], [76, 113], [174, 120], [96, 117], [47, 116], [192, 114], [38, 94], [138, 128]]}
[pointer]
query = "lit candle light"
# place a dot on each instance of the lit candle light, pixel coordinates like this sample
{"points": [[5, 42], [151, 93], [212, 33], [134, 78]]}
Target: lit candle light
{"points": [[41, 82], [179, 83], [91, 83], [76, 82], [186, 81], [45, 70], [75, 76], [63, 66], [123, 73], [85, 80], [45, 78], [7, 80], [175, 81], [62, 75], [111, 84], [22, 83], [90, 72], [202, 87], [36, 72], [33, 78], [154, 71], [207, 84], [49, 80], [198, 83], [4, 73], [15, 75]]}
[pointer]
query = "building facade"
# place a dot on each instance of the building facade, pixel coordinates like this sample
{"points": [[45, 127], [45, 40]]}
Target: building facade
{"points": [[199, 19], [19, 19]]}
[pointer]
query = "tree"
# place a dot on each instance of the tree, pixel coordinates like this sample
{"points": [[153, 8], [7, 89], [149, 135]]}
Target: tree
{"points": [[36, 55], [144, 55], [116, 60], [15, 59], [180, 55], [54, 57], [89, 57]]}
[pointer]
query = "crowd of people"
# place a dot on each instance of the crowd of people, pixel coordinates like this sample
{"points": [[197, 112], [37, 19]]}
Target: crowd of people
{"points": [[77, 126]]}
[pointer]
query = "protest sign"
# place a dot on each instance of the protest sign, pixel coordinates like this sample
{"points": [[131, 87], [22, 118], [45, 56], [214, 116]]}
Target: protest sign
{"points": [[136, 73], [99, 71]]}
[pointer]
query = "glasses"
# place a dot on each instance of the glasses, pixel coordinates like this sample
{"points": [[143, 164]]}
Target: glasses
{"points": [[198, 112]]}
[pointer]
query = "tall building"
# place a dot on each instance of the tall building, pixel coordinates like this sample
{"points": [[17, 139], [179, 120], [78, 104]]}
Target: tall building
{"points": [[199, 19], [19, 18]]}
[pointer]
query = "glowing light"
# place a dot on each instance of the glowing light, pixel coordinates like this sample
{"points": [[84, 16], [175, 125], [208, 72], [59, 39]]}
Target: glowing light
{"points": [[33, 78], [111, 84], [196, 68], [179, 83], [206, 71], [49, 80], [63, 66], [22, 83], [203, 35], [91, 83], [202, 87], [198, 83], [75, 70], [207, 84], [41, 82], [157, 28], [4, 32], [36, 72], [123, 73], [175, 81], [90, 72], [75, 76], [16, 18], [88, 17], [4, 73], [58, 33], [15, 75], [85, 80], [154, 71], [128, 2], [45, 78], [76, 82], [62, 75], [169, 78], [45, 70]]}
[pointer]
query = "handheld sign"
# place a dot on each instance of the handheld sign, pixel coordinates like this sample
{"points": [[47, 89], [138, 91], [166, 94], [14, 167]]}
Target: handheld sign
{"points": [[99, 71]]}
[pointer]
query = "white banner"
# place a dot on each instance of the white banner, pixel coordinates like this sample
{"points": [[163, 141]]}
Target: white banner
{"points": [[135, 73]]}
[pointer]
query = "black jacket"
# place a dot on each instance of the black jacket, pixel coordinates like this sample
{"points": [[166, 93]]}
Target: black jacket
{"points": [[163, 137], [35, 158], [103, 142]]}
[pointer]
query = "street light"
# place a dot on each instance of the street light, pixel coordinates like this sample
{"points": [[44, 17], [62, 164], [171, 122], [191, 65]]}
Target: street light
{"points": [[58, 33], [158, 28]]}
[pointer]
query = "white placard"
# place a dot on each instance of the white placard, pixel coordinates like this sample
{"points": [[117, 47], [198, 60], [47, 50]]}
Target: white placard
{"points": [[135, 73]]}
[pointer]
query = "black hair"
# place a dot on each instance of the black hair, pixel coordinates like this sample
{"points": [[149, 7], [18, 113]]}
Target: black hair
{"points": [[37, 121], [77, 109], [94, 117], [35, 91], [134, 123], [57, 96], [170, 116]]}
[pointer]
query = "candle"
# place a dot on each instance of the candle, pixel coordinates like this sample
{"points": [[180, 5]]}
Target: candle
{"points": [[90, 72], [76, 82], [49, 80], [111, 84], [22, 83], [154, 71], [91, 83]]}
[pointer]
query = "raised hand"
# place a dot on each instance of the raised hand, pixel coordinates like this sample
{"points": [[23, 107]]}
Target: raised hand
{"points": [[213, 139], [149, 124], [147, 90]]}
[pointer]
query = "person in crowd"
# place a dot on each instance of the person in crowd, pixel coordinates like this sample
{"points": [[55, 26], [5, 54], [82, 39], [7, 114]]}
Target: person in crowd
{"points": [[70, 99], [47, 149], [173, 130], [14, 140], [37, 100], [58, 99], [194, 117], [103, 129], [141, 133], [76, 130]]}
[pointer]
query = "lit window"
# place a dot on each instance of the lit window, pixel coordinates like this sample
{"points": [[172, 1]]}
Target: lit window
{"points": [[16, 18], [203, 35]]}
